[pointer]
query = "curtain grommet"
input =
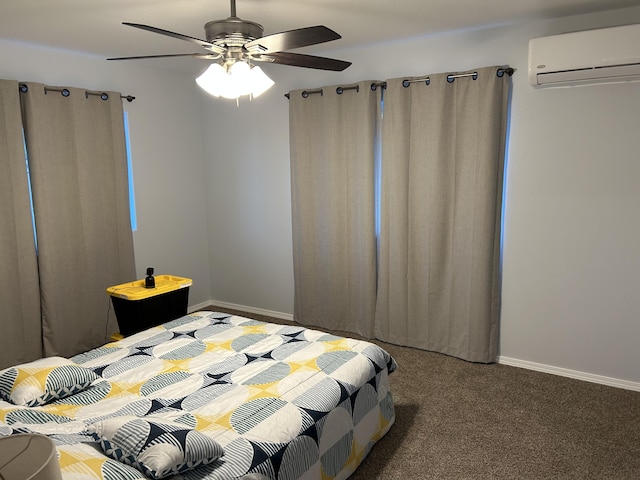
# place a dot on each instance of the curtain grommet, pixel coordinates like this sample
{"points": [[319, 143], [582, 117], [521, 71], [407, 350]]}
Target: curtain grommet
{"points": [[306, 93]]}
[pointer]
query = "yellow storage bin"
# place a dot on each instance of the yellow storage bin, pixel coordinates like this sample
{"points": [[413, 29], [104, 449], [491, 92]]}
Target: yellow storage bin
{"points": [[138, 308]]}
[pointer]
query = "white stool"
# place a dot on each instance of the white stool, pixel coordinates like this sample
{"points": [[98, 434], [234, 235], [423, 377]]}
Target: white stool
{"points": [[28, 457]]}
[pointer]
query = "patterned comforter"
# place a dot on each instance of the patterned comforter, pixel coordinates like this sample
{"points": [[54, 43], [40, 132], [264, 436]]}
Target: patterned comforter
{"points": [[284, 402]]}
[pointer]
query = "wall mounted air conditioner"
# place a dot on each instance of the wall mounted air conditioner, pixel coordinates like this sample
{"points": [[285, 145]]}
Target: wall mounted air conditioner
{"points": [[592, 56]]}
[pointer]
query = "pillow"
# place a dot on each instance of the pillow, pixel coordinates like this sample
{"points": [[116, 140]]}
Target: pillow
{"points": [[156, 446], [43, 381]]}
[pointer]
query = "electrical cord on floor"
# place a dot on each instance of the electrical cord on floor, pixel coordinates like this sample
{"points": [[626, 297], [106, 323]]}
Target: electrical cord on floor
{"points": [[112, 291], [106, 325]]}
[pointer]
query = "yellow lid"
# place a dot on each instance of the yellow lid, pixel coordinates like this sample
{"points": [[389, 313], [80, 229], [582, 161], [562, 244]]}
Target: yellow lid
{"points": [[137, 291]]}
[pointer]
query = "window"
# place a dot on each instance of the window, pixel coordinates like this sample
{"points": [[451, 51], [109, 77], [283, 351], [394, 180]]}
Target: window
{"points": [[132, 196], [33, 217]]}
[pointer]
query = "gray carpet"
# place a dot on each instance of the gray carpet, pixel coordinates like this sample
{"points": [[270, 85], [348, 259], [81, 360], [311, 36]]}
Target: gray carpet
{"points": [[458, 420]]}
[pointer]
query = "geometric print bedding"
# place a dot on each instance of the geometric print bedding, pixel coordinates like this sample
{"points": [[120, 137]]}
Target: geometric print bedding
{"points": [[283, 402], [43, 381]]}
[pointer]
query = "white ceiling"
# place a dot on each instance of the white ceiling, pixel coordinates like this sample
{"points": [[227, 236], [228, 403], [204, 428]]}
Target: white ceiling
{"points": [[95, 26]]}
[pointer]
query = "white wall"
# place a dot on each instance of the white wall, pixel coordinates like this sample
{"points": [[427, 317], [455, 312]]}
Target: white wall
{"points": [[166, 146], [249, 201], [571, 257]]}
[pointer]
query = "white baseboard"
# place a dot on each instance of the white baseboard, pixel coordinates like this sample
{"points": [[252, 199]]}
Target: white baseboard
{"points": [[243, 308], [198, 306], [565, 372]]}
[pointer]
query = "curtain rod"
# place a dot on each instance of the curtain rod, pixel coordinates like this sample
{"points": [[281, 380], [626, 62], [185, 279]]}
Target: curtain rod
{"points": [[339, 91], [450, 78], [65, 92], [405, 83]]}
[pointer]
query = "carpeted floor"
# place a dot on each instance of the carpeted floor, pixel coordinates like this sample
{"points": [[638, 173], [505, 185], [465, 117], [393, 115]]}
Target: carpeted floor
{"points": [[458, 420]]}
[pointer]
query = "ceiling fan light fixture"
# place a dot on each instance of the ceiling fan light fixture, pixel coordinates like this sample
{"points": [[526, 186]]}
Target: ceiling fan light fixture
{"points": [[238, 80]]}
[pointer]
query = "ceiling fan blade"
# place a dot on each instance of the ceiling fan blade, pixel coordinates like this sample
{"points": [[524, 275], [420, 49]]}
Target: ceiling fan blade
{"points": [[308, 61], [301, 37], [208, 45], [204, 56]]}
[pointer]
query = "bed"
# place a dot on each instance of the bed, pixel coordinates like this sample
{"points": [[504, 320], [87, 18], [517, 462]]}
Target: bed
{"points": [[276, 401]]}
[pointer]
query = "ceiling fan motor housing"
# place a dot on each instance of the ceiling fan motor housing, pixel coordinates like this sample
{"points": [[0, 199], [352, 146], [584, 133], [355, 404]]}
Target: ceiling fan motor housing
{"points": [[233, 31]]}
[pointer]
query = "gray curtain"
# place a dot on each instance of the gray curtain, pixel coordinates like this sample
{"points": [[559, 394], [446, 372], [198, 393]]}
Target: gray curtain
{"points": [[443, 150], [19, 294], [332, 178], [77, 157]]}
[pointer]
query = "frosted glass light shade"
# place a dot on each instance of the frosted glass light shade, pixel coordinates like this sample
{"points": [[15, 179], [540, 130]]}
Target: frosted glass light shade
{"points": [[241, 79], [260, 82], [213, 80]]}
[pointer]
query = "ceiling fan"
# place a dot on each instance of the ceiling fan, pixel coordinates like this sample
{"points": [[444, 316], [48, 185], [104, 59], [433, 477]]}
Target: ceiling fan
{"points": [[234, 39]]}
